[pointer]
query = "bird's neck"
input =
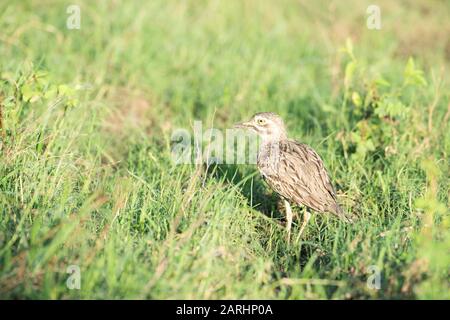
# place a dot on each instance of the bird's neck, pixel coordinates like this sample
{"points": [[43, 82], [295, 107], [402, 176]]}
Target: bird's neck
{"points": [[269, 154], [273, 139], [269, 147]]}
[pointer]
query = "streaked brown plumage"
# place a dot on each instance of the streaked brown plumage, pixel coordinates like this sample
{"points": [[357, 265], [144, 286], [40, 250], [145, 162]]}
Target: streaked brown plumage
{"points": [[298, 175], [292, 169]]}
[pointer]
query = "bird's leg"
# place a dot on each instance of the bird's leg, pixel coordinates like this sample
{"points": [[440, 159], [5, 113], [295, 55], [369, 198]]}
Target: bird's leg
{"points": [[288, 219], [306, 217]]}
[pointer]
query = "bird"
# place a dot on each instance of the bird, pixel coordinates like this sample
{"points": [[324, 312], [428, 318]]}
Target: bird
{"points": [[294, 170]]}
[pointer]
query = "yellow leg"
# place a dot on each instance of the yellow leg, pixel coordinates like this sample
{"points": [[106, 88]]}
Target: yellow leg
{"points": [[288, 220], [306, 217]]}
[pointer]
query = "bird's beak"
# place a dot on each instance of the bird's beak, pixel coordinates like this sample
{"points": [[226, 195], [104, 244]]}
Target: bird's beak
{"points": [[243, 125]]}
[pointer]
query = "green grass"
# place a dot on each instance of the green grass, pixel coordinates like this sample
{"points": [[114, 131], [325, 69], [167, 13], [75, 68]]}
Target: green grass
{"points": [[86, 176]]}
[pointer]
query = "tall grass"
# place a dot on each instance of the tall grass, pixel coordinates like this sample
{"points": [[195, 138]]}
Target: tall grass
{"points": [[86, 176]]}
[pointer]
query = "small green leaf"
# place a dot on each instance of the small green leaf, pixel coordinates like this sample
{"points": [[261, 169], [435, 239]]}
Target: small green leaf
{"points": [[391, 107], [349, 71], [382, 82], [349, 48], [65, 90], [29, 94], [356, 98], [412, 75], [51, 93]]}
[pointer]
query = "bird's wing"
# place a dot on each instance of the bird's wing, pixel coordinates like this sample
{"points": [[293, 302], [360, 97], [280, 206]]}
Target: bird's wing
{"points": [[304, 178]]}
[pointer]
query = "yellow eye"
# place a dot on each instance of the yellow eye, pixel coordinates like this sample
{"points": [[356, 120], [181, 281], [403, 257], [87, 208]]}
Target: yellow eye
{"points": [[261, 121]]}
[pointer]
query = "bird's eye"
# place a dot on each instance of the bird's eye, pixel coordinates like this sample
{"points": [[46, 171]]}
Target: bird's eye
{"points": [[261, 121]]}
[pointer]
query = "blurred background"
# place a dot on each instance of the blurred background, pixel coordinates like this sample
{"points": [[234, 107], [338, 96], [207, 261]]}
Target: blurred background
{"points": [[87, 114]]}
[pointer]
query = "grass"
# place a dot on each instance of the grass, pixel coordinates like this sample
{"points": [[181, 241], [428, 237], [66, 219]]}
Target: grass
{"points": [[86, 175]]}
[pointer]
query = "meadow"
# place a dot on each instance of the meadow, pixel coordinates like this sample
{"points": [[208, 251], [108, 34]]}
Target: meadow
{"points": [[88, 186]]}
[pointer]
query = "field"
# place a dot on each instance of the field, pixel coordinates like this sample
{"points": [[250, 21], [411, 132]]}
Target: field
{"points": [[92, 205]]}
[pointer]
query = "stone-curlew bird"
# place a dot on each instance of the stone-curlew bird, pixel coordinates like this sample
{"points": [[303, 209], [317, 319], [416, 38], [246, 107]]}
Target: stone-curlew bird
{"points": [[292, 169]]}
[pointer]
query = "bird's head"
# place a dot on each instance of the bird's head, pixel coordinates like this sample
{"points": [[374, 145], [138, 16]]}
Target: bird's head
{"points": [[268, 125]]}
